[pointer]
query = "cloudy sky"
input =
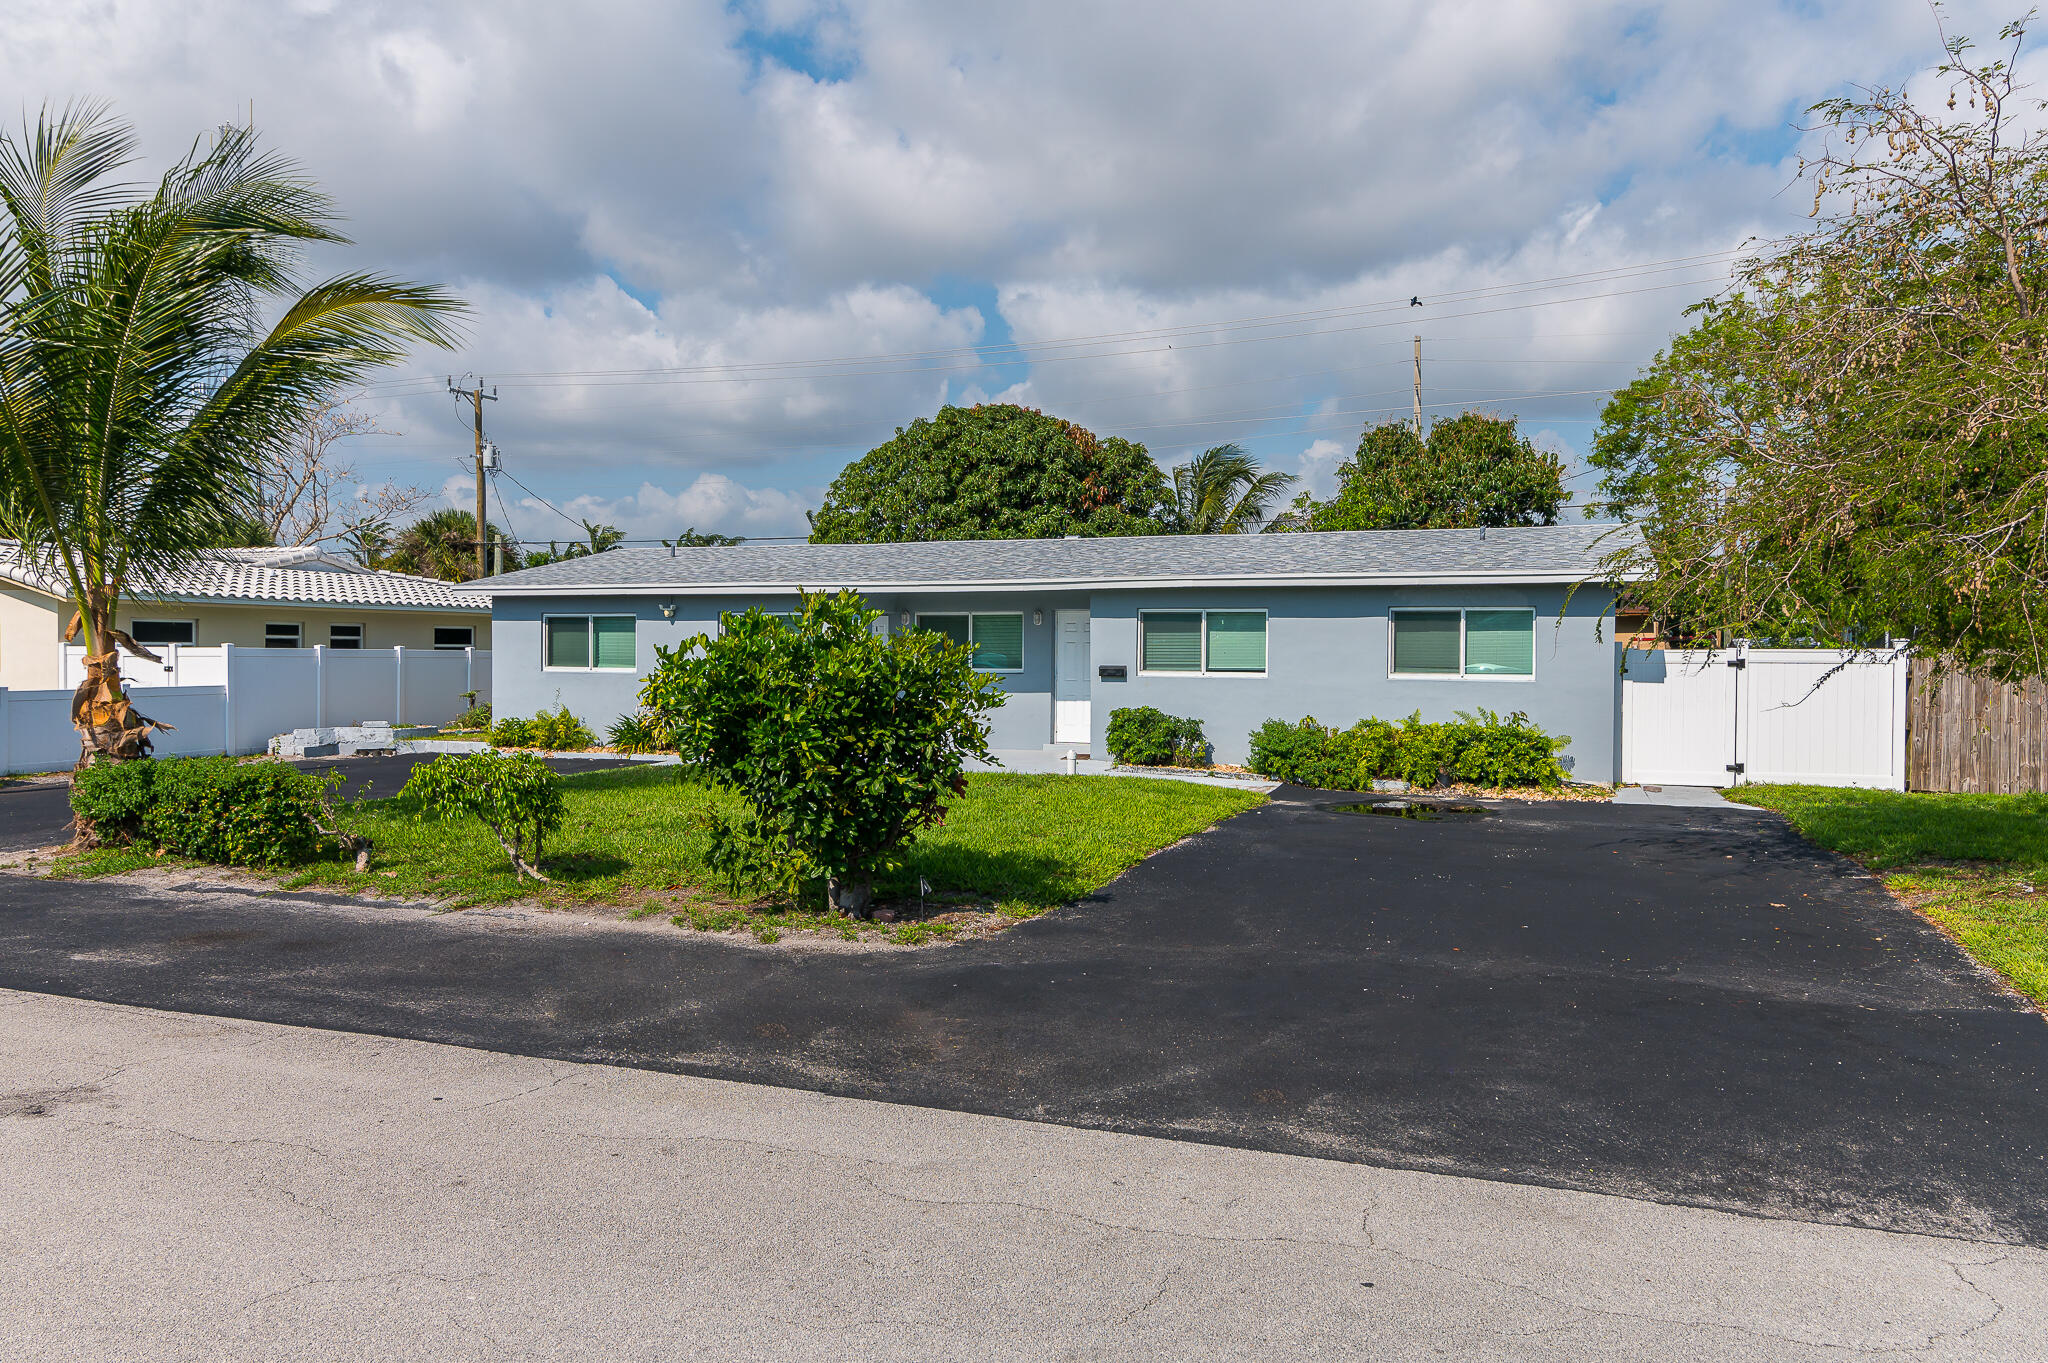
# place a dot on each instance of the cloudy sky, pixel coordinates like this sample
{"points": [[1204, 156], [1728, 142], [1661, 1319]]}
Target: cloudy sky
{"points": [[716, 251]]}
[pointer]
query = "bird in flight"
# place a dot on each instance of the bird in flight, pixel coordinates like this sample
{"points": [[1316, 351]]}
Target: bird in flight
{"points": [[1414, 301]]}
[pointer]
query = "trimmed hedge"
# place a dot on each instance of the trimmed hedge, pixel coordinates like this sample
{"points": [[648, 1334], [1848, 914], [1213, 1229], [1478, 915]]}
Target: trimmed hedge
{"points": [[1141, 736], [1481, 749], [208, 808]]}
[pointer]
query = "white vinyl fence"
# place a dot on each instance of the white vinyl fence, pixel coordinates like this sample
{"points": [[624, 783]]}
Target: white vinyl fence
{"points": [[1720, 718], [249, 696]]}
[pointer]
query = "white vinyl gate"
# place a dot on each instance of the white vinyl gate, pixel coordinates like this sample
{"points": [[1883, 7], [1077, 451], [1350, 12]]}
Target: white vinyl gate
{"points": [[1718, 718]]}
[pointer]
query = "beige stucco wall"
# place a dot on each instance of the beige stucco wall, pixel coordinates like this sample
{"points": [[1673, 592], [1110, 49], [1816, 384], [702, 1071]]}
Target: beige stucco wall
{"points": [[243, 626], [30, 628]]}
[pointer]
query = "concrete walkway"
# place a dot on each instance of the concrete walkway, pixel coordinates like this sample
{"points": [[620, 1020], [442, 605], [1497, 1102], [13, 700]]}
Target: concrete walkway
{"points": [[1677, 797], [1052, 762], [183, 1187]]}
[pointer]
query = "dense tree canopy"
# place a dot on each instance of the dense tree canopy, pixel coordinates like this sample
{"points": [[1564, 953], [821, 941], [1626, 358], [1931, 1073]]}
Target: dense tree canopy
{"points": [[442, 544], [992, 472], [1853, 444], [1471, 470]]}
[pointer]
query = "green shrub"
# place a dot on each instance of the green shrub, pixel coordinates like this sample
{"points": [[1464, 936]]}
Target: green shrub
{"points": [[516, 795], [1480, 748], [845, 743], [112, 797], [512, 733], [1144, 737], [236, 813], [555, 730], [475, 717], [641, 732], [1507, 752]]}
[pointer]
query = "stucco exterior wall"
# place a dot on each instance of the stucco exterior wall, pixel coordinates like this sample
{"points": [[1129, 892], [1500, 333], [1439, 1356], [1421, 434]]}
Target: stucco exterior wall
{"points": [[1327, 656], [29, 632], [31, 629], [243, 626]]}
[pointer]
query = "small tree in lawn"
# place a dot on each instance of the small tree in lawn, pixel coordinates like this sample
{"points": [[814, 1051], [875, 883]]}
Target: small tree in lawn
{"points": [[518, 797], [845, 743]]}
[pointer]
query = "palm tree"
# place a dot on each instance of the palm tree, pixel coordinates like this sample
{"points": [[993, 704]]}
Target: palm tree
{"points": [[1221, 492], [442, 544], [139, 383]]}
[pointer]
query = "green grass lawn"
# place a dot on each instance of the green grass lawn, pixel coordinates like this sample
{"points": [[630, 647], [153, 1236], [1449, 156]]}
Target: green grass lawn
{"points": [[636, 840], [1975, 864]]}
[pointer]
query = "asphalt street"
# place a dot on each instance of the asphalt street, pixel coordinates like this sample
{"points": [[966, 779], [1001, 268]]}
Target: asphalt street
{"points": [[38, 813], [201, 1190], [1685, 1006]]}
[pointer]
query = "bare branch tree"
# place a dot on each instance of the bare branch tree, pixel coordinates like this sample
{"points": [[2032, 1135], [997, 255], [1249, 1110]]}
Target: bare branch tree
{"points": [[310, 492]]}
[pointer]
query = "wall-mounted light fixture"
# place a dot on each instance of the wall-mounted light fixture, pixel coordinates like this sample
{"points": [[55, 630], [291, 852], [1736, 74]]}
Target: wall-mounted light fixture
{"points": [[1038, 617], [668, 610], [905, 618]]}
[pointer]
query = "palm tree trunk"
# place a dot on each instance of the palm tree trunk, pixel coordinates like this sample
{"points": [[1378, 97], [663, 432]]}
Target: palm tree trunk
{"points": [[109, 729]]}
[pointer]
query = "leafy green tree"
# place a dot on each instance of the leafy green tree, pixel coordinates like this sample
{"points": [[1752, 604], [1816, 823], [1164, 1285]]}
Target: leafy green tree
{"points": [[992, 472], [845, 743], [1222, 491], [1852, 445], [153, 344], [1471, 470], [443, 544]]}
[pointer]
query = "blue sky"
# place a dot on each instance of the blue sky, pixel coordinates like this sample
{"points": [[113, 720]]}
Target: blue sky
{"points": [[715, 251]]}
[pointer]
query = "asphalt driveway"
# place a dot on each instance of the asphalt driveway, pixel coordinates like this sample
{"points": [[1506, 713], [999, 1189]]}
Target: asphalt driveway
{"points": [[38, 813], [1687, 1006]]}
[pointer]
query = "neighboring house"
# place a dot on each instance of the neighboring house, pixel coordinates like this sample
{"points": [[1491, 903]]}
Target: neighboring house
{"points": [[1231, 629], [252, 598]]}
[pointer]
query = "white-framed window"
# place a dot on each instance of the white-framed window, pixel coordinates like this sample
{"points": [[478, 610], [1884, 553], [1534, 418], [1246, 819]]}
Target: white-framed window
{"points": [[783, 618], [1463, 643], [164, 631], [277, 635], [997, 637], [454, 636], [1202, 643], [344, 636], [588, 643]]}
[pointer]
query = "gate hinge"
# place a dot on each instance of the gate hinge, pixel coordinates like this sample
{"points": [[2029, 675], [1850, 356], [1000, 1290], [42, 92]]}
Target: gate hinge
{"points": [[1738, 662], [1735, 767]]}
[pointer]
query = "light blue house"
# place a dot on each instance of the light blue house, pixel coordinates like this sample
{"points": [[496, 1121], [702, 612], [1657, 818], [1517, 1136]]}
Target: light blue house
{"points": [[1231, 629]]}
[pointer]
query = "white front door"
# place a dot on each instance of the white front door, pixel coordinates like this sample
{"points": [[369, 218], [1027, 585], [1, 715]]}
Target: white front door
{"points": [[1070, 687]]}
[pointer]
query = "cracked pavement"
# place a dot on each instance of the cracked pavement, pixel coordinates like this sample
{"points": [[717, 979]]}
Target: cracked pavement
{"points": [[198, 1188]]}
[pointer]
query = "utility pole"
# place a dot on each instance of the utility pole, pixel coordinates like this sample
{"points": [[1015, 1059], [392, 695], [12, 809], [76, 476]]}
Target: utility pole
{"points": [[477, 397], [1418, 388]]}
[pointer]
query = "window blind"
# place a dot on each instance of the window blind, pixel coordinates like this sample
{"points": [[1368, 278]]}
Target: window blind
{"points": [[954, 627], [613, 636], [1172, 642], [1426, 642], [569, 641], [998, 642], [1237, 641], [1500, 643]]}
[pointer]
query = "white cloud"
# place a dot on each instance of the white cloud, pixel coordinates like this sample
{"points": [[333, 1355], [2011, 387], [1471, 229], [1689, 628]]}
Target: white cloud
{"points": [[711, 502], [648, 184]]}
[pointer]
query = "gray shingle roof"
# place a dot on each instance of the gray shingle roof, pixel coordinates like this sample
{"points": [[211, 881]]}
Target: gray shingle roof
{"points": [[1552, 553], [300, 576]]}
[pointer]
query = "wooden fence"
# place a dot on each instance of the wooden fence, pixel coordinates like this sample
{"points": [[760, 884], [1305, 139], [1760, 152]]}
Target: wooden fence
{"points": [[1973, 734]]}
